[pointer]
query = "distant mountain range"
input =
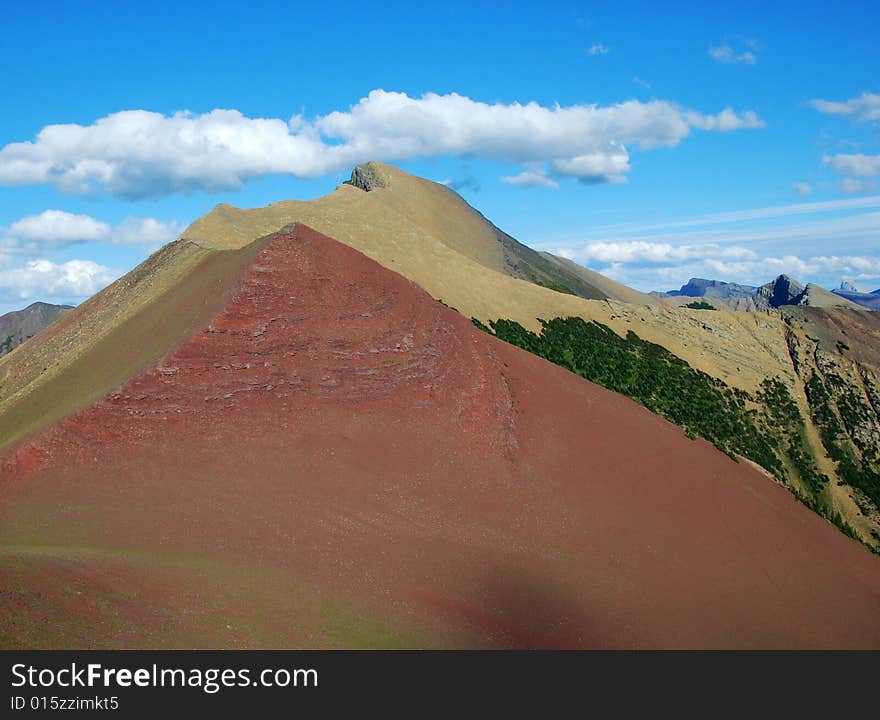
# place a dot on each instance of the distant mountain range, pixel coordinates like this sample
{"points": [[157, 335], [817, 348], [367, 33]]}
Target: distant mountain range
{"points": [[21, 325], [700, 287], [781, 291], [870, 300]]}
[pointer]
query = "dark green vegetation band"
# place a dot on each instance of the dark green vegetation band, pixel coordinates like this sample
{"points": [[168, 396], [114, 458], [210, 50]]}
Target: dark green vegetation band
{"points": [[767, 427]]}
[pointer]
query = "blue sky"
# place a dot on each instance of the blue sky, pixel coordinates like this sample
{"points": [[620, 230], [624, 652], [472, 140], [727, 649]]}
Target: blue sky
{"points": [[650, 141]]}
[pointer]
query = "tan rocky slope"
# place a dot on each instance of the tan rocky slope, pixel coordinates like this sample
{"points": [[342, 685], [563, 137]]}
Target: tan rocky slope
{"points": [[421, 229], [429, 234]]}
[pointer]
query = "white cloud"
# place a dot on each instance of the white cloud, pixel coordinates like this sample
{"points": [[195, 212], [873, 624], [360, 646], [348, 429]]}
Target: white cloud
{"points": [[610, 165], [740, 250], [729, 56], [658, 267], [803, 188], [862, 109], [149, 233], [858, 164], [640, 251], [853, 186], [531, 178], [827, 268], [598, 49], [136, 153], [45, 280], [57, 228], [726, 121]]}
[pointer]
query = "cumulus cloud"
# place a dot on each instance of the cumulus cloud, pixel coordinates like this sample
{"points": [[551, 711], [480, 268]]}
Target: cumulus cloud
{"points": [[609, 165], [728, 55], [45, 280], [136, 153], [57, 229], [857, 164], [598, 49], [803, 188], [864, 108]]}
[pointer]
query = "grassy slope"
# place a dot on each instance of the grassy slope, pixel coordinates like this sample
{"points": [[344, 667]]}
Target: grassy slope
{"points": [[103, 342]]}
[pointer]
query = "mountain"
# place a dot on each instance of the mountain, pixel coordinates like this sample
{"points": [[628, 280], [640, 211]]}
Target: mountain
{"points": [[783, 290], [849, 291], [429, 234], [21, 325], [700, 287], [251, 421], [319, 454]]}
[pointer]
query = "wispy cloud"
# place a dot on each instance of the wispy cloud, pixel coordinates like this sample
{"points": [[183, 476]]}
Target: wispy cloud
{"points": [[726, 121], [858, 164], [531, 178], [598, 49], [856, 187], [742, 216], [803, 188], [744, 53], [138, 153], [747, 246], [864, 108]]}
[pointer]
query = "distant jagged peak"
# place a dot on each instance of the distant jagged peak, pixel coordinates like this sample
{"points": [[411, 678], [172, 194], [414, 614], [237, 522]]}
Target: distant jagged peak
{"points": [[702, 287], [849, 286], [786, 283], [783, 290]]}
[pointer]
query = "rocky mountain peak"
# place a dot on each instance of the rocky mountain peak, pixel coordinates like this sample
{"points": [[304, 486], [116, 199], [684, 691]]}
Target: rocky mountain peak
{"points": [[367, 177], [784, 290]]}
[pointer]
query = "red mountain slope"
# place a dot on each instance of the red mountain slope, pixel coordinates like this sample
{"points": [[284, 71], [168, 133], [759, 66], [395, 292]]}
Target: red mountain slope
{"points": [[339, 460]]}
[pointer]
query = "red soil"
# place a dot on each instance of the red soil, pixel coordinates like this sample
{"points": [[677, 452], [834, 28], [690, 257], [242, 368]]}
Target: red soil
{"points": [[340, 460]]}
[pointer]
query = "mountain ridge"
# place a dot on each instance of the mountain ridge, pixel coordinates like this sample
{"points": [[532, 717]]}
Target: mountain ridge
{"points": [[427, 233], [20, 325]]}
